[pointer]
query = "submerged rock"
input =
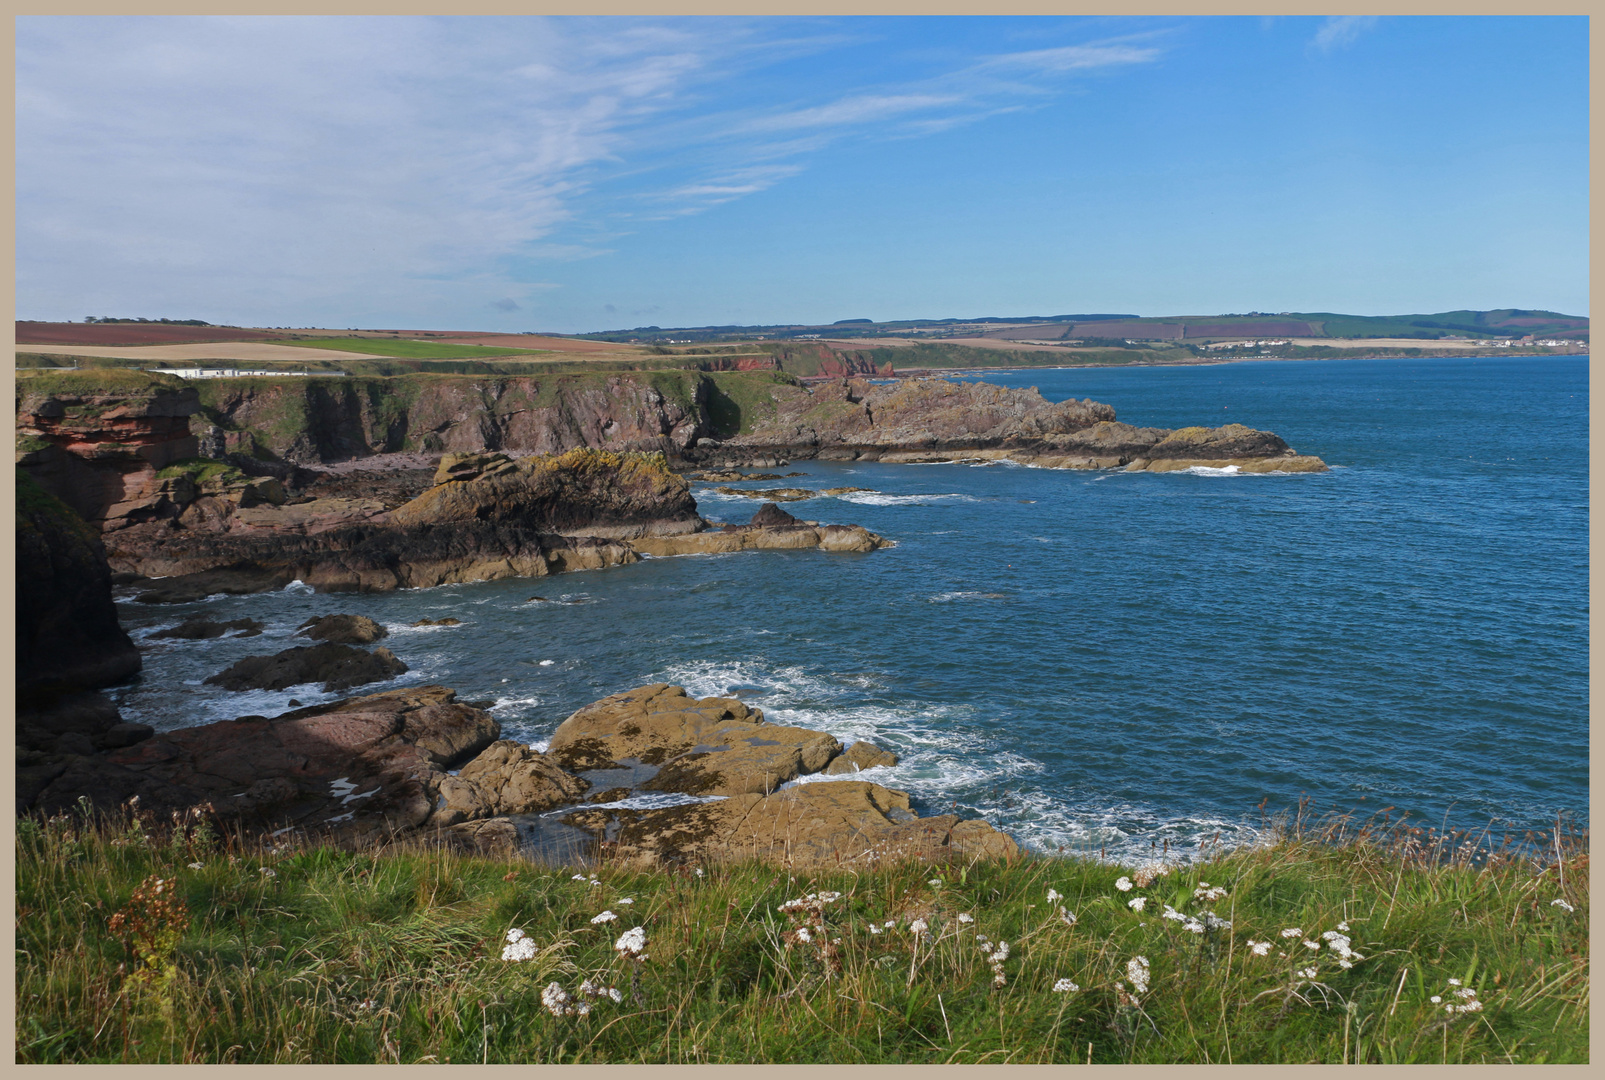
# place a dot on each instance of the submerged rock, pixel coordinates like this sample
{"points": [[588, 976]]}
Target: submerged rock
{"points": [[205, 628], [337, 667], [861, 755]]}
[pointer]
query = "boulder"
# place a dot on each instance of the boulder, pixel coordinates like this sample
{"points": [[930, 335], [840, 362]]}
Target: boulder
{"points": [[343, 629], [839, 823], [708, 746], [204, 628], [337, 667], [507, 778], [861, 755], [437, 622]]}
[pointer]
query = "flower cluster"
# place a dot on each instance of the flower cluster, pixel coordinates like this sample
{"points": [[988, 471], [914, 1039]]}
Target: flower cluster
{"points": [[604, 917], [1065, 986], [630, 944], [1339, 943], [520, 946], [593, 879], [1208, 893], [1563, 905], [1195, 925], [1137, 971], [995, 955], [1144, 875], [1123, 883], [1467, 995], [559, 1003], [1258, 948]]}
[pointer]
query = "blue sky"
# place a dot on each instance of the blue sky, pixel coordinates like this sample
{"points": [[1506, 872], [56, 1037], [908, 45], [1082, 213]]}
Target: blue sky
{"points": [[574, 175]]}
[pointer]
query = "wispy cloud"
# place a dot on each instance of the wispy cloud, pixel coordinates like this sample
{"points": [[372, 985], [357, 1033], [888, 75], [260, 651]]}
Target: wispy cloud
{"points": [[227, 168], [1339, 31]]}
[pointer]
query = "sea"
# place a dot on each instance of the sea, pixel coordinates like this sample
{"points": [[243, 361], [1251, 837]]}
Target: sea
{"points": [[1109, 663]]}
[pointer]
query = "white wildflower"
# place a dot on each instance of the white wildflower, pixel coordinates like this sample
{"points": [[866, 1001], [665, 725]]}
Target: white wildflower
{"points": [[699, 871], [1053, 895], [1067, 916], [1193, 926], [606, 916], [1174, 915], [1215, 922], [1294, 932], [966, 918], [519, 948], [1454, 982], [576, 877], [803, 935], [874, 929], [268, 872], [198, 866], [1137, 972], [631, 942], [1308, 973], [1123, 883], [1563, 905], [1435, 999], [1308, 944], [366, 1005], [890, 924], [1137, 903], [1065, 986], [919, 926], [626, 900], [556, 1000], [1207, 894], [1258, 948], [1000, 952], [1343, 926], [935, 883]]}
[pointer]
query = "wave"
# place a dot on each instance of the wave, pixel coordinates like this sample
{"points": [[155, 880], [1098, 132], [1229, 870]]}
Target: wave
{"points": [[968, 594], [880, 498]]}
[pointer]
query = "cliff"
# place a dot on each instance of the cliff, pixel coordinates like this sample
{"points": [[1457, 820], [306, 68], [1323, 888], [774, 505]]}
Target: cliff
{"points": [[68, 637]]}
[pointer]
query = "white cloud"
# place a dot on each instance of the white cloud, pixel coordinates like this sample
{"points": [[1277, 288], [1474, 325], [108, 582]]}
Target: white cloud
{"points": [[1342, 30], [234, 168]]}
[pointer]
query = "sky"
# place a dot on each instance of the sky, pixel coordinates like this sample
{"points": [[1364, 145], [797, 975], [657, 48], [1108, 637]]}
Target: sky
{"points": [[573, 175]]}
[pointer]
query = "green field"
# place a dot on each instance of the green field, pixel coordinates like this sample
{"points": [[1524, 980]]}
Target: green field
{"points": [[139, 942]]}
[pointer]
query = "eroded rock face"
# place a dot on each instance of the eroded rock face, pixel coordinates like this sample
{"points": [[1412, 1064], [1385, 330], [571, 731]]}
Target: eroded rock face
{"points": [[507, 778], [763, 538], [337, 667], [711, 746], [361, 769], [343, 629], [843, 822]]}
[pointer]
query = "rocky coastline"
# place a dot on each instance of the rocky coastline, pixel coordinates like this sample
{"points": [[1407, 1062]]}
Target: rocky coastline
{"points": [[132, 481]]}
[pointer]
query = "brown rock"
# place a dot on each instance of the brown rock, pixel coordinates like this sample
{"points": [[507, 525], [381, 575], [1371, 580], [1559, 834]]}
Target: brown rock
{"points": [[711, 746], [844, 822], [861, 755], [363, 768], [771, 514], [343, 629], [337, 667], [438, 622], [507, 778]]}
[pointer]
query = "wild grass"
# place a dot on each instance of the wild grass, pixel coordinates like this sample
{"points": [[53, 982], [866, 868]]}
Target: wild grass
{"points": [[413, 350], [291, 954]]}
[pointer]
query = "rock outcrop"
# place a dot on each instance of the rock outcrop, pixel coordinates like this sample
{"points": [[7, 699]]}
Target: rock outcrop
{"points": [[507, 778], [343, 629], [337, 667], [358, 770], [860, 756], [919, 420], [712, 746], [842, 823], [205, 628]]}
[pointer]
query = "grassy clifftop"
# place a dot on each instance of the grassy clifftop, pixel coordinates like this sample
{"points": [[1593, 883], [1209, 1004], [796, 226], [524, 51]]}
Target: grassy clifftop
{"points": [[140, 946]]}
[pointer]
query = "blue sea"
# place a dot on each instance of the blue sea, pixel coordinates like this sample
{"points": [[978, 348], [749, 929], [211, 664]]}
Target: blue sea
{"points": [[1100, 661]]}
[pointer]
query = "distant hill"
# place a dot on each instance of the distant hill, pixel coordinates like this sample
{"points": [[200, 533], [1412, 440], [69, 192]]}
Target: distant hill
{"points": [[1500, 323]]}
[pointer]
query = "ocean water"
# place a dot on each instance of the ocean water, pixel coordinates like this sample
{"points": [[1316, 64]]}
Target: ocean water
{"points": [[1099, 661]]}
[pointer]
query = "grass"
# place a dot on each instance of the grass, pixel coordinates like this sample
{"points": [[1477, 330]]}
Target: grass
{"points": [[396, 956]]}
